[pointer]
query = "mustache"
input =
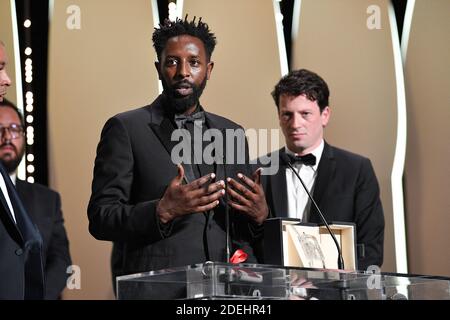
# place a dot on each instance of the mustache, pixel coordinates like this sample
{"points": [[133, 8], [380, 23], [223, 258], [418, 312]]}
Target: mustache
{"points": [[183, 85], [8, 144]]}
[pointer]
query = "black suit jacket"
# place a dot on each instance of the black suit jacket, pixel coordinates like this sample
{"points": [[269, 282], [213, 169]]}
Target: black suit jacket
{"points": [[21, 268], [44, 207], [132, 170], [346, 190]]}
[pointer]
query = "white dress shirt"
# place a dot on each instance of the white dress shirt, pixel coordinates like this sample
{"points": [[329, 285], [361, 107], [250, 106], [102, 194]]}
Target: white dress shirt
{"points": [[13, 177], [298, 200]]}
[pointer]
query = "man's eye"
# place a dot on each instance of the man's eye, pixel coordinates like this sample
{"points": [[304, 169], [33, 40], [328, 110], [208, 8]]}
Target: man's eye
{"points": [[195, 63], [171, 62]]}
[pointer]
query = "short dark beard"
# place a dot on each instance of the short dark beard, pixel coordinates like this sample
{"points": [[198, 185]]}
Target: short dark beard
{"points": [[12, 164], [179, 104]]}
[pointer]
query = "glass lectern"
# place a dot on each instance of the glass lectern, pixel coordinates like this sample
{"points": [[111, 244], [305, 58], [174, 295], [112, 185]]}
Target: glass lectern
{"points": [[212, 281]]}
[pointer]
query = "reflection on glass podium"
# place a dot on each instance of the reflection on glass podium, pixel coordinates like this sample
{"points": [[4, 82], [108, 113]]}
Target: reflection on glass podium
{"points": [[213, 281]]}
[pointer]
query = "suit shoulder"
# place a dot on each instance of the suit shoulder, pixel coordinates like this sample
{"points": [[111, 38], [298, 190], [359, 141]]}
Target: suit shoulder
{"points": [[37, 188], [346, 155], [132, 115], [126, 121], [142, 113]]}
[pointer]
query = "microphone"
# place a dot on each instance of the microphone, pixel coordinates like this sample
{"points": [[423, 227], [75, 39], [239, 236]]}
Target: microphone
{"points": [[227, 216], [227, 208], [285, 158]]}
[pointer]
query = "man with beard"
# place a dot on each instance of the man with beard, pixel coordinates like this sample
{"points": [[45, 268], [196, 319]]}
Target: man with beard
{"points": [[42, 204], [160, 213], [21, 274]]}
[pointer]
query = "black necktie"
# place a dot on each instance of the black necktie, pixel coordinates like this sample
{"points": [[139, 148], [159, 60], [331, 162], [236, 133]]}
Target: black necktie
{"points": [[181, 119], [308, 159]]}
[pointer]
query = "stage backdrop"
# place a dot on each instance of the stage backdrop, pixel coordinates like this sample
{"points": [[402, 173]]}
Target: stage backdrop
{"points": [[103, 68], [104, 65], [427, 171], [357, 62]]}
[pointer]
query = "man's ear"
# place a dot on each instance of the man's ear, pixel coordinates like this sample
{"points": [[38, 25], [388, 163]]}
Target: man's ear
{"points": [[209, 69], [157, 65], [325, 115]]}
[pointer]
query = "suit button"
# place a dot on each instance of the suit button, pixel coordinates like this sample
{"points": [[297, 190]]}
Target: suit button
{"points": [[19, 252]]}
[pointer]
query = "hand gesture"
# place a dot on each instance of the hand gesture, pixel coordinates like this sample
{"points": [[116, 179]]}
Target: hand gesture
{"points": [[247, 196], [180, 199]]}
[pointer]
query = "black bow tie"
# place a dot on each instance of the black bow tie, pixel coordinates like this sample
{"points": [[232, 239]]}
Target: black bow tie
{"points": [[181, 119], [308, 159]]}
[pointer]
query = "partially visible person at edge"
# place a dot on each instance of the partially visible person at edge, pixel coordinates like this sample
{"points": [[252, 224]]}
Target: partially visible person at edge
{"points": [[42, 203], [21, 266]]}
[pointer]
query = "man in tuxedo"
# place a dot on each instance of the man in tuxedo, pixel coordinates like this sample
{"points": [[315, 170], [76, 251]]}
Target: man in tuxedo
{"points": [[342, 183], [21, 269], [161, 212], [42, 203]]}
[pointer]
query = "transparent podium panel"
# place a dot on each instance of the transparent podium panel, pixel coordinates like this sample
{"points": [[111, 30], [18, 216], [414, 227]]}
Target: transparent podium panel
{"points": [[212, 280]]}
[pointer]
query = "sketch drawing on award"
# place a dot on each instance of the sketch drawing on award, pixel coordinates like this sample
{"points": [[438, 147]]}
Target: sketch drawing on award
{"points": [[312, 250]]}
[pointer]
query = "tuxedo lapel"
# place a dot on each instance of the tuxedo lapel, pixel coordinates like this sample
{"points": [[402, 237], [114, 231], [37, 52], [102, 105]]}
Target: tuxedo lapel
{"points": [[34, 271], [164, 133], [161, 125], [163, 129], [10, 224], [326, 169], [6, 207], [27, 228], [28, 202]]}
